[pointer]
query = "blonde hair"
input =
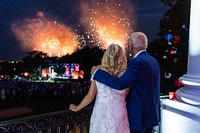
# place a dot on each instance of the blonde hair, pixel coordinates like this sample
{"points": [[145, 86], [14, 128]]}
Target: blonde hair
{"points": [[114, 59]]}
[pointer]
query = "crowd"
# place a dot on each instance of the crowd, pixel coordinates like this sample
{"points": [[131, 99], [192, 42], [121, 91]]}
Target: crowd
{"points": [[17, 93]]}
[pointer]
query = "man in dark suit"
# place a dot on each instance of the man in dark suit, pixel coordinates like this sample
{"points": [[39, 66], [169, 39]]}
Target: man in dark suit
{"points": [[143, 78]]}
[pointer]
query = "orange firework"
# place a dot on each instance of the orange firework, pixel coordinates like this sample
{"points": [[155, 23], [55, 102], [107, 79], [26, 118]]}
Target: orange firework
{"points": [[45, 35], [108, 21]]}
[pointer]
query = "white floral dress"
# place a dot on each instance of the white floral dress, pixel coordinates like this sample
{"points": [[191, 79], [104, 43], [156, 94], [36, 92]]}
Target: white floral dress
{"points": [[109, 113]]}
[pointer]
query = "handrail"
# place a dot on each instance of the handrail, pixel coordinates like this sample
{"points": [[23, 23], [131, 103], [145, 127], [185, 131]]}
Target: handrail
{"points": [[164, 97]]}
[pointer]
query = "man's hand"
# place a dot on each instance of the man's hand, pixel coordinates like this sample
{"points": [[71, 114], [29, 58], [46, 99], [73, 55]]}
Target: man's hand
{"points": [[94, 68]]}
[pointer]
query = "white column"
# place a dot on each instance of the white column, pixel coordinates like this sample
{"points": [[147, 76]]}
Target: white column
{"points": [[190, 93]]}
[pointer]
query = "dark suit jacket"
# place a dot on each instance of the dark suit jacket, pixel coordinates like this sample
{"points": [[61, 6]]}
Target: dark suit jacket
{"points": [[143, 78]]}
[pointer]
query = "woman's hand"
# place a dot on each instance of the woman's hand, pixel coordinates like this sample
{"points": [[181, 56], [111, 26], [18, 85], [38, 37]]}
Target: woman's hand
{"points": [[73, 107]]}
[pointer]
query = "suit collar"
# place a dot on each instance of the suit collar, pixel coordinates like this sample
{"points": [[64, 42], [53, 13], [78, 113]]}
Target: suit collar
{"points": [[136, 55]]}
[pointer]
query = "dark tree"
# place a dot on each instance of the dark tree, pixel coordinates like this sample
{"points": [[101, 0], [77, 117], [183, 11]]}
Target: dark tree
{"points": [[35, 62], [171, 48]]}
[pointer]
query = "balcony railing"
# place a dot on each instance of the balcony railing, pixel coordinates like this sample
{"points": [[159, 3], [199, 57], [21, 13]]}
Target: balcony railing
{"points": [[56, 122]]}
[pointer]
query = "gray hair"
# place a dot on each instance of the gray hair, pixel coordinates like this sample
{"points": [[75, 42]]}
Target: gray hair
{"points": [[139, 40]]}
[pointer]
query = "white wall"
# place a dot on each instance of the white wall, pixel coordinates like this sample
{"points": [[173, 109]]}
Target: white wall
{"points": [[178, 117]]}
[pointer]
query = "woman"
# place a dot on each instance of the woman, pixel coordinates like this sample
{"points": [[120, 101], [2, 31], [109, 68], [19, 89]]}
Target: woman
{"points": [[109, 113]]}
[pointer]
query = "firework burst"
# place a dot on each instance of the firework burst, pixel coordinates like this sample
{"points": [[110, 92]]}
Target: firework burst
{"points": [[107, 21], [45, 35]]}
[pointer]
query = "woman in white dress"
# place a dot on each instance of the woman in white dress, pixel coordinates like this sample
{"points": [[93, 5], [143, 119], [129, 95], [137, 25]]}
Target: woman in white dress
{"points": [[109, 113]]}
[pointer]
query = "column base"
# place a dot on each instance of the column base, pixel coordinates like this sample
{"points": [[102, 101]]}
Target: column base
{"points": [[189, 95]]}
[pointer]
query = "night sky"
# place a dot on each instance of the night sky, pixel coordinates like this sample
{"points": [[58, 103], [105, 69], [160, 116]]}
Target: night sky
{"points": [[147, 15]]}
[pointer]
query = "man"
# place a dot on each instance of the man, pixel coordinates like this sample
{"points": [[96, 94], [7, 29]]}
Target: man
{"points": [[143, 78]]}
